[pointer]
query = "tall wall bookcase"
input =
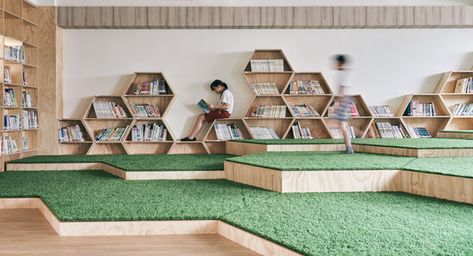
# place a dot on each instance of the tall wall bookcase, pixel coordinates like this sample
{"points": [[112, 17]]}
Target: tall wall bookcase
{"points": [[19, 28]]}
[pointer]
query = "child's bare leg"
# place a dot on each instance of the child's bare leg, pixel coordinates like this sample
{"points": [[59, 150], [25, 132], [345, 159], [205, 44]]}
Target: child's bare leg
{"points": [[343, 125], [197, 126]]}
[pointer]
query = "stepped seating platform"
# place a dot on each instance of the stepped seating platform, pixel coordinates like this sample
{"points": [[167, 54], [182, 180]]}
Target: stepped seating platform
{"points": [[447, 178], [431, 147], [456, 134], [131, 167]]}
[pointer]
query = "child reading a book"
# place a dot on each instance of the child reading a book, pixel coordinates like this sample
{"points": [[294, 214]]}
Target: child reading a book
{"points": [[343, 110], [223, 109]]}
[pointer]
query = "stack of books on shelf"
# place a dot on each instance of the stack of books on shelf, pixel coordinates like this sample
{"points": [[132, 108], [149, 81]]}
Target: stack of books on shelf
{"points": [[419, 132], [311, 87], [71, 133], [156, 87], [145, 110], [298, 132], [274, 65], [11, 122], [415, 108], [148, 132], [304, 110], [30, 119], [387, 130], [269, 88], [228, 132], [9, 99], [462, 109], [26, 100], [15, 54], [464, 85], [7, 75], [8, 145], [273, 111], [111, 134], [335, 106], [25, 142], [381, 111], [108, 110], [337, 133], [263, 133]]}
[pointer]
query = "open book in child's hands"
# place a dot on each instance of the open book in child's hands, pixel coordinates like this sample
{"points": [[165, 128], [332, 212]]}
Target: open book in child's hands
{"points": [[203, 105]]}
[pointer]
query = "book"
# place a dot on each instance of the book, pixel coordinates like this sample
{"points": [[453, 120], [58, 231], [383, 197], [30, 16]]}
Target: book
{"points": [[30, 119], [73, 133], [299, 132], [12, 122], [331, 112], [267, 88], [388, 130], [337, 133], [416, 108], [8, 145], [309, 87], [267, 65], [105, 109], [154, 87], [462, 109], [228, 131], [304, 110], [7, 78], [26, 100], [263, 133], [145, 110], [381, 111], [419, 132], [111, 134], [464, 85], [15, 54], [203, 105], [149, 132], [273, 111], [9, 99]]}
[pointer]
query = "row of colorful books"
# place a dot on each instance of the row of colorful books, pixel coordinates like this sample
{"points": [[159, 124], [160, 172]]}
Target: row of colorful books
{"points": [[419, 132], [15, 53], [304, 110], [390, 131], [270, 65], [263, 133], [268, 88], [9, 145], [111, 134], [273, 111], [28, 120], [299, 132], [71, 133], [337, 133], [26, 99], [331, 112], [149, 132], [145, 110], [464, 85], [311, 87], [416, 108], [156, 87], [381, 111], [9, 99], [105, 109], [462, 109], [228, 131]]}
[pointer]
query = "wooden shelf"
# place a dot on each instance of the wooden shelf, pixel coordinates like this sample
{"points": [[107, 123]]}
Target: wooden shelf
{"points": [[269, 54], [440, 108], [360, 125], [373, 129], [310, 76], [432, 124], [317, 128], [360, 104], [449, 79]]}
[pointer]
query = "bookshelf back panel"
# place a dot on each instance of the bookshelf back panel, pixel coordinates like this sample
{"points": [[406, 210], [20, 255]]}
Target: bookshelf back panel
{"points": [[32, 137], [188, 148], [280, 79], [32, 76], [106, 149], [316, 126], [74, 149], [31, 54], [13, 27], [118, 100], [269, 55], [433, 125], [216, 147], [15, 73], [267, 101], [148, 148], [13, 6], [451, 81], [280, 126], [460, 124], [34, 96], [30, 34], [17, 136], [318, 102], [2, 25], [313, 76], [30, 12], [67, 123]]}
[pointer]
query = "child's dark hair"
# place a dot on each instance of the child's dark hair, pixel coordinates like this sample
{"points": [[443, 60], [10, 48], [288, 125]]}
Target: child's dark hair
{"points": [[341, 59], [216, 83]]}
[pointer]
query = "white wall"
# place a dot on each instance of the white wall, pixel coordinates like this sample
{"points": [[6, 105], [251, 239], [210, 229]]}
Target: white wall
{"points": [[387, 63]]}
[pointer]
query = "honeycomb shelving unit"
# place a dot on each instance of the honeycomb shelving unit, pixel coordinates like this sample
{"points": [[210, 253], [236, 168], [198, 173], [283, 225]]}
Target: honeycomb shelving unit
{"points": [[446, 89], [18, 28], [211, 141]]}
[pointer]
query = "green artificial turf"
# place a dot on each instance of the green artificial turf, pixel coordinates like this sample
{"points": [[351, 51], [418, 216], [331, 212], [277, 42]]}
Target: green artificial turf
{"points": [[310, 223], [415, 143], [291, 141], [418, 143], [130, 163], [452, 166], [296, 161]]}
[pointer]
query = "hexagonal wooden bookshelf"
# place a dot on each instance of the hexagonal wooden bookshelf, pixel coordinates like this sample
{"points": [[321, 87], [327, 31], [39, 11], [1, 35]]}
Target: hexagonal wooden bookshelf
{"points": [[433, 122], [360, 123], [211, 138], [75, 147], [456, 97]]}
